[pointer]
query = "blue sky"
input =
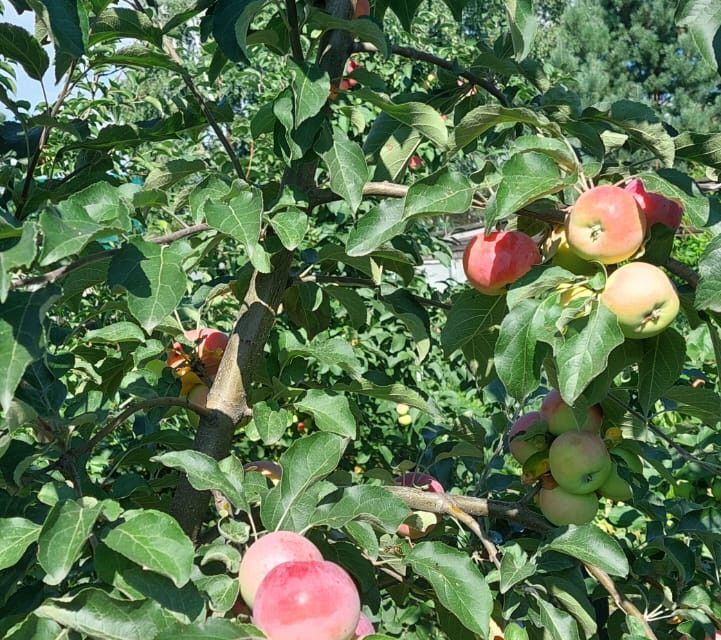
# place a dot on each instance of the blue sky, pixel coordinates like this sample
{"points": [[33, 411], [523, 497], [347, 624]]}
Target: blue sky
{"points": [[28, 89]]}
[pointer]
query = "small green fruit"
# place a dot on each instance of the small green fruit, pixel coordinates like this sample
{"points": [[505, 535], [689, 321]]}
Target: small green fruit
{"points": [[405, 420]]}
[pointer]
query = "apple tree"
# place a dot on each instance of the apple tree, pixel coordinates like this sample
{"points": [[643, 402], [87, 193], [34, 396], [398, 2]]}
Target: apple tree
{"points": [[235, 404]]}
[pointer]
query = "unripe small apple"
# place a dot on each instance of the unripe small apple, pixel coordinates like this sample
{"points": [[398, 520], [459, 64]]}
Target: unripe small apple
{"points": [[629, 458], [658, 209], [364, 628], [304, 600], [524, 444], [615, 487], [562, 508], [420, 523], [574, 292], [402, 409], [199, 395], [493, 261], [405, 420], [643, 299], [268, 552], [556, 246], [580, 462], [605, 225], [188, 380], [561, 418]]}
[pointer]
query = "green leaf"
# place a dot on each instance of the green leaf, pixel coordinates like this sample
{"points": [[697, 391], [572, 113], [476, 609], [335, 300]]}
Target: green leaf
{"points": [[63, 536], [443, 192], [116, 333], [335, 352], [523, 24], [347, 169], [708, 292], [153, 278], [242, 219], [583, 354], [663, 358], [311, 87], [397, 393], [365, 504], [405, 10], [94, 613], [17, 535], [21, 333], [557, 624], [21, 254], [222, 590], [569, 590], [117, 23], [518, 356], [414, 316], [18, 44], [704, 148], [702, 18], [421, 117], [69, 24], [204, 474], [331, 412], [556, 149], [701, 403], [481, 119], [526, 177], [291, 226], [382, 223], [172, 172], [591, 545], [291, 504], [393, 143], [214, 629], [515, 567], [457, 583], [34, 628], [231, 21], [364, 29], [473, 317], [137, 56], [155, 541], [271, 423]]}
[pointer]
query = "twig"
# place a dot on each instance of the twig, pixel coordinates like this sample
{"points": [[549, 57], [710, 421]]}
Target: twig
{"points": [[449, 65], [188, 80], [44, 135], [380, 189], [473, 525], [683, 271], [294, 30]]}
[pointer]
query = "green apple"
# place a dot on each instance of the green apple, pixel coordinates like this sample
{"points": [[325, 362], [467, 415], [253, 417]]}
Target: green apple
{"points": [[561, 507], [405, 420], [402, 409], [527, 436], [561, 418], [630, 459], [615, 487], [579, 461]]}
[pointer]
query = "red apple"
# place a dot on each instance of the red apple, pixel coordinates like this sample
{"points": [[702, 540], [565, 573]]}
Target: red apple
{"points": [[304, 600], [643, 299], [657, 208], [523, 447], [561, 418], [605, 225], [416, 162], [267, 553], [428, 521], [361, 8], [364, 628], [209, 346], [495, 260]]}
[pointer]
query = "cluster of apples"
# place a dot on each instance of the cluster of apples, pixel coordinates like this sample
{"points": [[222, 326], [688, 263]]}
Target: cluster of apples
{"points": [[569, 457], [199, 367], [294, 593], [607, 225]]}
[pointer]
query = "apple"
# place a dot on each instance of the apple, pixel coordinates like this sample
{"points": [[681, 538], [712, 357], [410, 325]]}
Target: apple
{"points": [[361, 8], [615, 487], [348, 83], [267, 468], [188, 379], [416, 162], [363, 628], [643, 299], [561, 418], [522, 444], [605, 225], [629, 458], [405, 420], [199, 395], [657, 208], [556, 246], [312, 599], [267, 553], [569, 293], [580, 462], [493, 261], [561, 507], [209, 344], [419, 523], [402, 409]]}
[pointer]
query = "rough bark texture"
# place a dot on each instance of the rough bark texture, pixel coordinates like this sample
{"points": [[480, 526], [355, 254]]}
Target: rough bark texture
{"points": [[228, 397]]}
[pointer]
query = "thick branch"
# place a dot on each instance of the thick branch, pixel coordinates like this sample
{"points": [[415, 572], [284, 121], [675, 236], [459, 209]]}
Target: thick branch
{"points": [[294, 30], [683, 271], [448, 65]]}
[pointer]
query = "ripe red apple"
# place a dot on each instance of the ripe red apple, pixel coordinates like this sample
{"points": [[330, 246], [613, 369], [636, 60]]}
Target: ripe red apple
{"points": [[267, 553], [199, 395], [361, 8], [303, 600], [605, 225], [524, 445], [561, 507], [495, 260], [427, 520], [657, 208], [561, 418], [209, 344], [416, 162], [267, 468], [363, 628], [348, 83], [643, 299], [579, 461]]}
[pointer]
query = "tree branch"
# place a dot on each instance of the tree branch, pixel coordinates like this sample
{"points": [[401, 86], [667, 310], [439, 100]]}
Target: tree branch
{"points": [[448, 65], [683, 271], [294, 30]]}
